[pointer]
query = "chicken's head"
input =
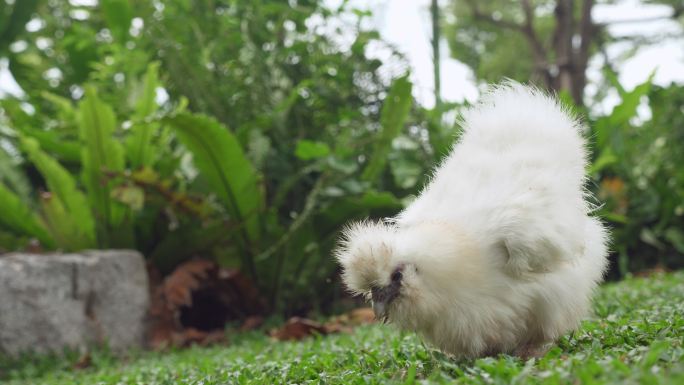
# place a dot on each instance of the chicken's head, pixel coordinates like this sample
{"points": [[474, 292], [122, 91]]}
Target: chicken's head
{"points": [[401, 269]]}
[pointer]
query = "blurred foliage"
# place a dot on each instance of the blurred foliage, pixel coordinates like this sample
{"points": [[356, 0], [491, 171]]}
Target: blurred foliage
{"points": [[220, 129], [249, 132], [496, 39], [636, 168], [494, 52], [639, 176]]}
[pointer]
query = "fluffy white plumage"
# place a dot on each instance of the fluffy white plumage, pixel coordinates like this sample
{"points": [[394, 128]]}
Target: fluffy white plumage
{"points": [[499, 253]]}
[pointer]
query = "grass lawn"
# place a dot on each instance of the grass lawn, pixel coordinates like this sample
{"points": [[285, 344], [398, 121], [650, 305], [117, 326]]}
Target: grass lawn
{"points": [[636, 336]]}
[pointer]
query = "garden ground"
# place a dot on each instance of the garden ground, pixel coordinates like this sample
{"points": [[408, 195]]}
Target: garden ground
{"points": [[634, 337]]}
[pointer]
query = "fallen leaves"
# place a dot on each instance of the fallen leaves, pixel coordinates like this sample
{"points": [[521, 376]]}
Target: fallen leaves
{"points": [[655, 270], [177, 319], [188, 277], [192, 336], [84, 361], [252, 323], [180, 313], [297, 328]]}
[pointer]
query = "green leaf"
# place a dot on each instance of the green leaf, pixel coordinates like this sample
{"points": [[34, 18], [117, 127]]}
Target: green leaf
{"points": [[102, 154], [612, 78], [147, 103], [63, 228], [343, 165], [615, 218], [406, 172], [14, 24], [307, 150], [630, 101], [604, 160], [132, 196], [609, 129], [12, 177], [566, 100], [59, 181], [370, 204], [220, 159], [54, 143], [18, 218], [395, 110], [183, 243], [139, 143], [258, 148], [118, 16], [648, 236], [675, 236], [66, 111]]}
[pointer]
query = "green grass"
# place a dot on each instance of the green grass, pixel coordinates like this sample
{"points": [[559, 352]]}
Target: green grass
{"points": [[635, 337]]}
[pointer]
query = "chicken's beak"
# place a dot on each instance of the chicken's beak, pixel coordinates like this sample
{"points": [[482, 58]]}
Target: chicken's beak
{"points": [[380, 311], [382, 299]]}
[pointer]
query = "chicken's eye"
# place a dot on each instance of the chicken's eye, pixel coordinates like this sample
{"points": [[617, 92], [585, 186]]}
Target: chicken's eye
{"points": [[396, 276]]}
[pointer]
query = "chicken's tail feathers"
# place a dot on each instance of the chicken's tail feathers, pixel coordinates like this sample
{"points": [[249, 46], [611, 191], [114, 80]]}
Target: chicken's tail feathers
{"points": [[514, 118], [511, 101], [597, 243]]}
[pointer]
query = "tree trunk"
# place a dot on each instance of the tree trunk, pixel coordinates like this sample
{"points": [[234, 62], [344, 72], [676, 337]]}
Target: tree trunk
{"points": [[561, 64], [571, 42], [434, 12]]}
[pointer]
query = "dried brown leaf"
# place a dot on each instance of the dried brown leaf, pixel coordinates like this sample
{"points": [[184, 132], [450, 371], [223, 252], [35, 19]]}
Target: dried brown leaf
{"points": [[297, 328], [251, 323], [83, 362], [187, 277], [236, 293], [361, 316]]}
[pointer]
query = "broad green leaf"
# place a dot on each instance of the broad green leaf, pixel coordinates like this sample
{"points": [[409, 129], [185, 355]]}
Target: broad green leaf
{"points": [[185, 242], [258, 148], [612, 78], [102, 154], [609, 129], [627, 109], [370, 204], [66, 111], [118, 16], [395, 110], [130, 195], [406, 172], [62, 224], [566, 100], [139, 142], [604, 160], [17, 119], [648, 236], [307, 150], [13, 24], [146, 105], [55, 144], [615, 218], [12, 177], [343, 165], [18, 218], [62, 185], [675, 236], [220, 159]]}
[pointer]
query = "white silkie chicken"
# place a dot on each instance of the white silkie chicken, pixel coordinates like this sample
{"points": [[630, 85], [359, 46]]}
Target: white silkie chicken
{"points": [[499, 253]]}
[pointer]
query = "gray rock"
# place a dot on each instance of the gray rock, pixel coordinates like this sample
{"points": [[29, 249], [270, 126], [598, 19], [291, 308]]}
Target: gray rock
{"points": [[57, 301]]}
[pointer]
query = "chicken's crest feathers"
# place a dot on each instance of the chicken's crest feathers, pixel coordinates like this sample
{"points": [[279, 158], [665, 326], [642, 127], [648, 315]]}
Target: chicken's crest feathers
{"points": [[364, 250]]}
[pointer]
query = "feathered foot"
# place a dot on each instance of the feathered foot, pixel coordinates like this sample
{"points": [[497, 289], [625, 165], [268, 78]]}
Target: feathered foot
{"points": [[528, 351]]}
